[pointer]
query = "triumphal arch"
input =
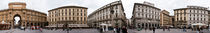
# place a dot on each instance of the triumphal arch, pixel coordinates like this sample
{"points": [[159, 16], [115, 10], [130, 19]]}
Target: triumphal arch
{"points": [[27, 17]]}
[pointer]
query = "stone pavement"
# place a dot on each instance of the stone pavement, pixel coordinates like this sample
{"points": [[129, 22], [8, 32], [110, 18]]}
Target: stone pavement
{"points": [[97, 31], [161, 31], [50, 31], [72, 31], [166, 31]]}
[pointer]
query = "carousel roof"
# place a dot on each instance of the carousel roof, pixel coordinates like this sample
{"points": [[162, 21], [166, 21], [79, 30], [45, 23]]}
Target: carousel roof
{"points": [[198, 24], [4, 22]]}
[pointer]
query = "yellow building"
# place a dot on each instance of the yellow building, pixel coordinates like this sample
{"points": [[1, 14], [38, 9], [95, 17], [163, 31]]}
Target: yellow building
{"points": [[165, 19], [74, 16], [28, 17]]}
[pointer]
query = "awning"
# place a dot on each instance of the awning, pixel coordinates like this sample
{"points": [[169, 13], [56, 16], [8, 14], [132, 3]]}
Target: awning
{"points": [[201, 24]]}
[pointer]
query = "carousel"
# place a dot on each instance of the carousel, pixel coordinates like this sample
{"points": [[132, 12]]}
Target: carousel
{"points": [[105, 27], [199, 26], [4, 26]]}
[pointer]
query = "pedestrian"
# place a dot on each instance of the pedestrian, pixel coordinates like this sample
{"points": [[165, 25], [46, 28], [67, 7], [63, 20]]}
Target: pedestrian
{"points": [[168, 29], [184, 29], [114, 29], [209, 28], [150, 28], [67, 30], [139, 28], [40, 29], [163, 28], [100, 30], [153, 29], [24, 29], [124, 29], [145, 29], [117, 29]]}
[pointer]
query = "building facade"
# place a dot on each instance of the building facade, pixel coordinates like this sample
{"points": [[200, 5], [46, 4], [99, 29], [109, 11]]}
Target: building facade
{"points": [[165, 18], [4, 26], [28, 17], [74, 16], [184, 17], [145, 15], [173, 21], [111, 14], [209, 18]]}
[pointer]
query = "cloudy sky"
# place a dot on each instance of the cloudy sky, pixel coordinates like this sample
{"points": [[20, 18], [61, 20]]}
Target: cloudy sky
{"points": [[45, 5]]}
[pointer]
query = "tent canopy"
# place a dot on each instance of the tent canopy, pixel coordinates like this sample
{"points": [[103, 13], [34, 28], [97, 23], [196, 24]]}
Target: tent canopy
{"points": [[198, 24]]}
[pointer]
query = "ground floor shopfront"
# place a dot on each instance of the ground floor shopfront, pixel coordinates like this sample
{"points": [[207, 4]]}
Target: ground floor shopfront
{"points": [[4, 27]]}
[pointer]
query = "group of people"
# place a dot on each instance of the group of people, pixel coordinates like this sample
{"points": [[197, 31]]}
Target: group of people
{"points": [[152, 28], [123, 29], [116, 29], [164, 28]]}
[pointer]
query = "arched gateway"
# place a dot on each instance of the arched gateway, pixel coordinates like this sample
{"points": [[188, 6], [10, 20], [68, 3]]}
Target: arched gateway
{"points": [[27, 17], [17, 20]]}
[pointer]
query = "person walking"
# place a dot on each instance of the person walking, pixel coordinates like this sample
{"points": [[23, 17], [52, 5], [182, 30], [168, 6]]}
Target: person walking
{"points": [[114, 29], [168, 29], [163, 28], [184, 29], [100, 30], [40, 29], [153, 29], [117, 29], [124, 29]]}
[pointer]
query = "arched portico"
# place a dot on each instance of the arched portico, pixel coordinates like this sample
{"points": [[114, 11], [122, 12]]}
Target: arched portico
{"points": [[27, 17], [16, 23]]}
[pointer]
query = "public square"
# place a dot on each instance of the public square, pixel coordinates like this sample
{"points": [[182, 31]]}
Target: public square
{"points": [[97, 31]]}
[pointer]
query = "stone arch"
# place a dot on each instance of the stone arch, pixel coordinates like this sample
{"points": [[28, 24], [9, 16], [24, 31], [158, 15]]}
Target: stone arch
{"points": [[20, 23]]}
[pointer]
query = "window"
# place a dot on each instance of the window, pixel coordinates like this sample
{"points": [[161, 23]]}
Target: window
{"points": [[190, 18], [81, 10], [70, 18], [73, 18], [66, 12], [81, 14], [81, 19], [142, 10], [78, 18], [69, 13], [78, 14], [116, 7], [65, 18]]}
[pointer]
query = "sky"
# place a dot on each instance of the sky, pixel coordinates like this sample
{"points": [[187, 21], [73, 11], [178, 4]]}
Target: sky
{"points": [[92, 5]]}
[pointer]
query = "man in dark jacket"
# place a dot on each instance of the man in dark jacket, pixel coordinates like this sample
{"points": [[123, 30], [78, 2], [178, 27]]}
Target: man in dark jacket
{"points": [[124, 29], [153, 29]]}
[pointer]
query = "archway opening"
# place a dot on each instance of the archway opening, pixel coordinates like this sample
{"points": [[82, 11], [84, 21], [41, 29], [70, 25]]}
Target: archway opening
{"points": [[17, 19], [16, 22]]}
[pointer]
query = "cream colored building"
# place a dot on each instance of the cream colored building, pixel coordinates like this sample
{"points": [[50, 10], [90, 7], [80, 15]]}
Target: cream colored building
{"points": [[184, 17], [165, 18], [28, 17], [209, 17], [111, 14], [145, 15], [74, 16]]}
